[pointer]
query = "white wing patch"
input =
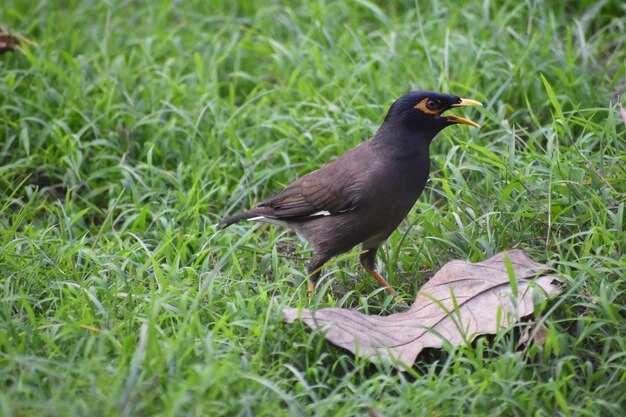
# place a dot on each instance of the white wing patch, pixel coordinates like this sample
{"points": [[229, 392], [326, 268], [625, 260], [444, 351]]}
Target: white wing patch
{"points": [[320, 213], [277, 221], [257, 218], [264, 219]]}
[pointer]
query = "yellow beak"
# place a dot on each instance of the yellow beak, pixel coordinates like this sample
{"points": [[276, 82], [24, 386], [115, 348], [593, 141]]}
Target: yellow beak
{"points": [[465, 102]]}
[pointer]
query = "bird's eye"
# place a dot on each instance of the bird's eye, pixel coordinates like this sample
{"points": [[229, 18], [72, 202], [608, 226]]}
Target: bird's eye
{"points": [[432, 105]]}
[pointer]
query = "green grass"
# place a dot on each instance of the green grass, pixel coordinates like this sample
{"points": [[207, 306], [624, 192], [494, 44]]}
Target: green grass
{"points": [[135, 126]]}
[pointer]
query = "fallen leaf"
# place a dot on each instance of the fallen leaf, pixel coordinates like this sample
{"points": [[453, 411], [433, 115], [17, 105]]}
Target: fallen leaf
{"points": [[371, 412], [541, 335], [12, 41], [538, 332], [461, 301]]}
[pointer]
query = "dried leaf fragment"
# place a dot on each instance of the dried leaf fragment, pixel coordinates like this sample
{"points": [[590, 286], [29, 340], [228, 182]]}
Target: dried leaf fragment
{"points": [[461, 301], [11, 41], [534, 333]]}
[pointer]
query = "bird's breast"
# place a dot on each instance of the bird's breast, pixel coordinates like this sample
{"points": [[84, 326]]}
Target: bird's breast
{"points": [[393, 192]]}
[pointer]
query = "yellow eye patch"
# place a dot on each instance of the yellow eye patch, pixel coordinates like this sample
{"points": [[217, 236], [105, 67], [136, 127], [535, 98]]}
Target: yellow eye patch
{"points": [[422, 106]]}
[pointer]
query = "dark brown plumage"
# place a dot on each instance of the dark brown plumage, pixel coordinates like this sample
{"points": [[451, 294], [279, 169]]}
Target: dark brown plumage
{"points": [[362, 196]]}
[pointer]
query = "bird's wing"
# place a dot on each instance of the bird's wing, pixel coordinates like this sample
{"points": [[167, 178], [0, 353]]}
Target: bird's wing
{"points": [[330, 190], [319, 193]]}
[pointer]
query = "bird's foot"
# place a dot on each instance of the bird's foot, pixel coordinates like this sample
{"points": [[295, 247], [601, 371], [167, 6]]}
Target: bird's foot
{"points": [[310, 288], [400, 302]]}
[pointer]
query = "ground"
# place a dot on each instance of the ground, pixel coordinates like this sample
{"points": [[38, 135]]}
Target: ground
{"points": [[133, 127]]}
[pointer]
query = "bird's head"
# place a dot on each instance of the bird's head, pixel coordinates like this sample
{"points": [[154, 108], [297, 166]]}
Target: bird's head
{"points": [[422, 111]]}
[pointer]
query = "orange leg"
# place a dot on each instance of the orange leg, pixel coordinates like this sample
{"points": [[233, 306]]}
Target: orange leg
{"points": [[382, 281], [310, 287]]}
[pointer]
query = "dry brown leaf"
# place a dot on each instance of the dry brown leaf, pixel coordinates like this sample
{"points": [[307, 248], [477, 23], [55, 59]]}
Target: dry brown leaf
{"points": [[541, 335], [534, 333], [460, 302], [371, 412], [12, 41]]}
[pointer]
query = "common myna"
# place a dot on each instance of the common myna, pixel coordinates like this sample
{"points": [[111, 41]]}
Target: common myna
{"points": [[362, 197]]}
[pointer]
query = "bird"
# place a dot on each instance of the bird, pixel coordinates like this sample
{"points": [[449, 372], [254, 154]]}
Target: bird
{"points": [[361, 197]]}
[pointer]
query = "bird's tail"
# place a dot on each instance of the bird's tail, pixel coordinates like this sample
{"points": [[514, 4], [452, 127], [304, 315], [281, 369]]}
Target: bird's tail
{"points": [[254, 214], [233, 219]]}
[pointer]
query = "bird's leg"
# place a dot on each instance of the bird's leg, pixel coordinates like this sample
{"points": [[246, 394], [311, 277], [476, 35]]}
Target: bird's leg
{"points": [[313, 272], [382, 281], [310, 287], [367, 260]]}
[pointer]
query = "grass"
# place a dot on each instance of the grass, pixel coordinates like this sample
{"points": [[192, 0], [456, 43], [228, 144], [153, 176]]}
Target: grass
{"points": [[134, 127]]}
